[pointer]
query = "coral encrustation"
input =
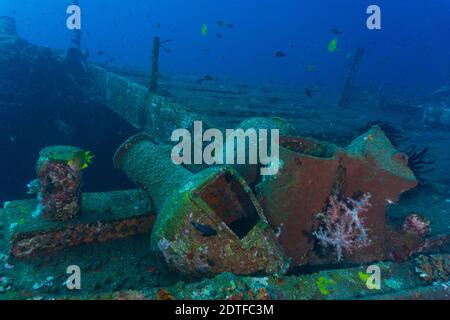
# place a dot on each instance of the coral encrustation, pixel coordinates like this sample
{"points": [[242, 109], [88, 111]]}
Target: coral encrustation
{"points": [[60, 188]]}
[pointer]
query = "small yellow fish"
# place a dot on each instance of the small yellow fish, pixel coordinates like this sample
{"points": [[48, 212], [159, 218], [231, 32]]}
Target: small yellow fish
{"points": [[204, 30], [332, 45], [363, 276], [82, 161]]}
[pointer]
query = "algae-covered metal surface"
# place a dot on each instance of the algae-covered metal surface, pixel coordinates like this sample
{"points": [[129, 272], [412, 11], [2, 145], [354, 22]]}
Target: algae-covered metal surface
{"points": [[154, 114], [400, 281], [96, 207], [104, 217]]}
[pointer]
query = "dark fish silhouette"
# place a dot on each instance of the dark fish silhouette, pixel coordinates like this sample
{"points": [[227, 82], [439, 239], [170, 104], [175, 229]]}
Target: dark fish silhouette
{"points": [[218, 35], [205, 230], [230, 26], [205, 78], [336, 32], [100, 52], [308, 93], [280, 54], [220, 23]]}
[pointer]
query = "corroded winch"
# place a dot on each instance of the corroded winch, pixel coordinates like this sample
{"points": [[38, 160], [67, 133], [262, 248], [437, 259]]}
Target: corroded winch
{"points": [[209, 222]]}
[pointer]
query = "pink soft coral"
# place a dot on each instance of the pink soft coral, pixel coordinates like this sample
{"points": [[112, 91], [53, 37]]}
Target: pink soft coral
{"points": [[417, 225], [342, 226]]}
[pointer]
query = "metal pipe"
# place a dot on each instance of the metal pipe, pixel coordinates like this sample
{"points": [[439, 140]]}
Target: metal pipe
{"points": [[155, 68]]}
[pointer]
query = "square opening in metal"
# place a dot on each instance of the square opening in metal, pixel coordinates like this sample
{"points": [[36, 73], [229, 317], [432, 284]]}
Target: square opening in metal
{"points": [[228, 199]]}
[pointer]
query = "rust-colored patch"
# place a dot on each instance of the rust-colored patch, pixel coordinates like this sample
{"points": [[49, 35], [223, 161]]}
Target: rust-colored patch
{"points": [[29, 245]]}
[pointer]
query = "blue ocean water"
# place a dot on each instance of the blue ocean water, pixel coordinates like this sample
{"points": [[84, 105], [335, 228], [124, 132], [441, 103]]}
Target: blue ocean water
{"points": [[410, 51]]}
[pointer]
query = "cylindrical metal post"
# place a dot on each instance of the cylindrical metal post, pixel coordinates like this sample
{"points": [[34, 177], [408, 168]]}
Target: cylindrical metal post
{"points": [[151, 168], [155, 61], [59, 171]]}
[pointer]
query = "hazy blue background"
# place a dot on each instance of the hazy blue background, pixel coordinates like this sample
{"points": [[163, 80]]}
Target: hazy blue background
{"points": [[410, 52]]}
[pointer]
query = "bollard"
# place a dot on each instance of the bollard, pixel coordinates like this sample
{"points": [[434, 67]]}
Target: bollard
{"points": [[251, 173], [151, 168], [59, 171], [297, 200]]}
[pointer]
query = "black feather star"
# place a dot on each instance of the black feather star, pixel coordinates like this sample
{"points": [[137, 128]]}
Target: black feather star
{"points": [[417, 162]]}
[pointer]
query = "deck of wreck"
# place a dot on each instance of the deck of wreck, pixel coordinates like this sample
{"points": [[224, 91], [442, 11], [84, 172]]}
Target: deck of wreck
{"points": [[125, 268]]}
